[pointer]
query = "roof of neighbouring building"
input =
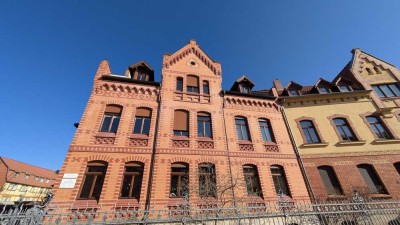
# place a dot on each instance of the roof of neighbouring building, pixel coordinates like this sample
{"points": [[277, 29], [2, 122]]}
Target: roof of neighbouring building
{"points": [[28, 173]]}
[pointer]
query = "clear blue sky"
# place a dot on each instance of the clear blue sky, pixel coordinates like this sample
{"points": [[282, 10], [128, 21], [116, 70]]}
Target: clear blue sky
{"points": [[50, 50]]}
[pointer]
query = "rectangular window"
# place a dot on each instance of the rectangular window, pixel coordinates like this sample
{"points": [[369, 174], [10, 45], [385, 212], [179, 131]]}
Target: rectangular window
{"points": [[179, 84], [111, 119], [204, 125], [142, 121], [387, 90], [242, 129], [179, 180], [244, 89], [207, 181], [309, 131], [192, 84], [181, 123], [279, 178], [372, 180], [378, 128], [206, 88], [266, 130], [132, 183], [93, 181], [344, 130], [252, 181], [141, 76]]}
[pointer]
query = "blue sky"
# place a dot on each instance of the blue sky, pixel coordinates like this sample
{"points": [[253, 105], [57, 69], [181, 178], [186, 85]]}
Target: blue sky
{"points": [[50, 50]]}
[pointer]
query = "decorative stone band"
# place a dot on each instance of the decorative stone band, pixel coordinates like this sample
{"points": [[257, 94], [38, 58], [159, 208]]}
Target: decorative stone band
{"points": [[246, 147], [180, 143], [205, 144], [104, 140], [271, 147]]}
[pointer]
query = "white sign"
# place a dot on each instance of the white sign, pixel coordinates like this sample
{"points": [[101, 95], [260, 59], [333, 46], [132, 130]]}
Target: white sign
{"points": [[69, 180]]}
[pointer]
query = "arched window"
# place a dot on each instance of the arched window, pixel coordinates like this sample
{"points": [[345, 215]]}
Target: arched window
{"points": [[397, 166], [192, 84], [242, 129], [179, 84], [252, 180], [378, 127], [206, 87], [266, 130], [93, 180], [330, 180], [207, 180], [342, 126], [132, 183], [204, 128], [179, 180], [309, 131], [279, 178], [181, 123], [372, 180], [111, 118], [142, 121]]}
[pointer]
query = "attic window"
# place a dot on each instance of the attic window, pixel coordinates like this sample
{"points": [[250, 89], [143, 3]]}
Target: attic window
{"points": [[16, 174], [344, 88], [294, 92], [27, 176], [244, 89], [369, 71], [323, 90], [141, 76]]}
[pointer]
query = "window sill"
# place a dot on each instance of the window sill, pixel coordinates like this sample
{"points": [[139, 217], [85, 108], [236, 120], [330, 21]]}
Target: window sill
{"points": [[245, 142], [254, 199], [139, 136], [315, 145], [204, 139], [105, 134], [345, 143], [381, 196], [386, 141], [127, 203], [178, 138], [85, 203]]}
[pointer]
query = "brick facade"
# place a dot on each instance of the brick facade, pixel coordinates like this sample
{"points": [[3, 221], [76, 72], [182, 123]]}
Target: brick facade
{"points": [[161, 148]]}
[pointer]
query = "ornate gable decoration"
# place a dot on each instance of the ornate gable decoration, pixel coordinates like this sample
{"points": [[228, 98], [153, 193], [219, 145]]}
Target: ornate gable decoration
{"points": [[361, 57], [192, 47]]}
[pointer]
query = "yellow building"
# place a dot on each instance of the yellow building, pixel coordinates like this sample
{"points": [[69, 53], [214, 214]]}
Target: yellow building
{"points": [[23, 182], [347, 130]]}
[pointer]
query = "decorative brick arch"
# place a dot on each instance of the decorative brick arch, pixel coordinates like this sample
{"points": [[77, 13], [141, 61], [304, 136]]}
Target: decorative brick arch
{"points": [[298, 120], [180, 159], [349, 122], [135, 158], [98, 157]]}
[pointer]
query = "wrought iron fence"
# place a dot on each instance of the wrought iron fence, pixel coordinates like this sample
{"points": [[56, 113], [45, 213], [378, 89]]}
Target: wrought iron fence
{"points": [[356, 211]]}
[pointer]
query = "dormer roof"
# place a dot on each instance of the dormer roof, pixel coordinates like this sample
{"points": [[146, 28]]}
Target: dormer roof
{"points": [[142, 65], [242, 80]]}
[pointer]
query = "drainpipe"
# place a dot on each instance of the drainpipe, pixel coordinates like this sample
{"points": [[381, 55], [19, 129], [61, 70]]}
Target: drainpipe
{"points": [[153, 155], [296, 150], [227, 148]]}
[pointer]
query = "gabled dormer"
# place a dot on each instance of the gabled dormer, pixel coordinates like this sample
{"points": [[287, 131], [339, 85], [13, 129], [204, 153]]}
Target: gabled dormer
{"points": [[322, 86], [140, 71], [293, 89], [343, 85], [243, 85]]}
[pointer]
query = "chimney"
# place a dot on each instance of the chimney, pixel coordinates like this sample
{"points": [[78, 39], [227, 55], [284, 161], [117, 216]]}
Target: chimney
{"points": [[278, 85]]}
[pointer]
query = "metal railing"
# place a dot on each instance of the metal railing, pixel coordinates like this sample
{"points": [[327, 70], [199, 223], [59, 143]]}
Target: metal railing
{"points": [[354, 211]]}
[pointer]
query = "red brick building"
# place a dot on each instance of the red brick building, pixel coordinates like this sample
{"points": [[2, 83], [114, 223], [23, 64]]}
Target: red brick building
{"points": [[141, 142]]}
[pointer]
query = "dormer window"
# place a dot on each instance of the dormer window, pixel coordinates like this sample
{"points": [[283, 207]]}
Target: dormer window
{"points": [[141, 76], [344, 88], [244, 89], [323, 90], [294, 92]]}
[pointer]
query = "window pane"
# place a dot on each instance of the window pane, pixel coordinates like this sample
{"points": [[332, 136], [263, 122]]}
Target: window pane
{"points": [[174, 186], [137, 185], [294, 92], [383, 131], [387, 91], [323, 90], [146, 126], [378, 91], [114, 126], [138, 125], [330, 181], [208, 129], [200, 128], [349, 133], [126, 184], [244, 133], [206, 89], [314, 136], [395, 89], [179, 84], [239, 132], [397, 166], [87, 185], [371, 179], [106, 123], [97, 187]]}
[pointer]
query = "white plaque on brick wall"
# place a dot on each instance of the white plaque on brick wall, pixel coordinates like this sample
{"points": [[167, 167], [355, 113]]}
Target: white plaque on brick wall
{"points": [[69, 180]]}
